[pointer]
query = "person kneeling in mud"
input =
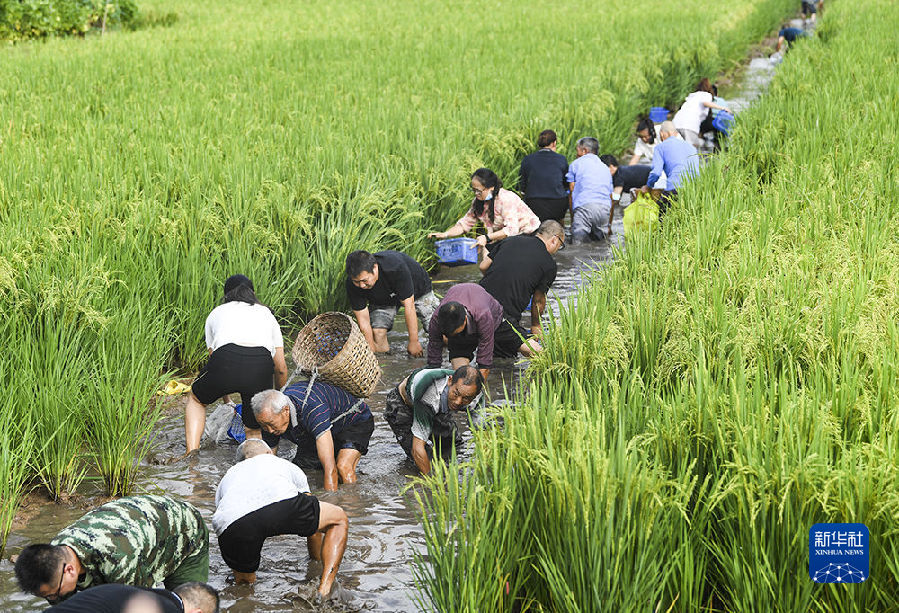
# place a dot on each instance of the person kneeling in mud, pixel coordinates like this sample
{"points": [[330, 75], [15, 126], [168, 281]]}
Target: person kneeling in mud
{"points": [[330, 427], [418, 410], [264, 495]]}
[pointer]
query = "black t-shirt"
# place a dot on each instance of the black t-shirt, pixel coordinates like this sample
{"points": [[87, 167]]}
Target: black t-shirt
{"points": [[521, 265], [112, 598], [630, 177], [399, 277], [542, 175]]}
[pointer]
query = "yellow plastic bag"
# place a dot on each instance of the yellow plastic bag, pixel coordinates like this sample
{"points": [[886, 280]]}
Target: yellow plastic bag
{"points": [[173, 388], [642, 214]]}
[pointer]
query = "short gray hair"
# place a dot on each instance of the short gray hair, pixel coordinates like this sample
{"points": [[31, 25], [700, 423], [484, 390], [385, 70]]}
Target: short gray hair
{"points": [[668, 126], [550, 228], [251, 448], [589, 143], [269, 400]]}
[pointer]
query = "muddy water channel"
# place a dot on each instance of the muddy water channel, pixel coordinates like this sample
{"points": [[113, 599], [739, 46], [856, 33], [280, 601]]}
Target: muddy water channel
{"points": [[384, 529]]}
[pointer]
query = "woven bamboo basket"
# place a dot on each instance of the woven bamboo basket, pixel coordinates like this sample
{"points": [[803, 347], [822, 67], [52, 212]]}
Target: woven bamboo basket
{"points": [[333, 345]]}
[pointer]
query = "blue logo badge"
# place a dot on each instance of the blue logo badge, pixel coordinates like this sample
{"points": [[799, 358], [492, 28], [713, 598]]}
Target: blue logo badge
{"points": [[838, 553]]}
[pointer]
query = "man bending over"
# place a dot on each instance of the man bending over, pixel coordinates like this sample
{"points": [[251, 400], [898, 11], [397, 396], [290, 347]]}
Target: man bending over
{"points": [[264, 495]]}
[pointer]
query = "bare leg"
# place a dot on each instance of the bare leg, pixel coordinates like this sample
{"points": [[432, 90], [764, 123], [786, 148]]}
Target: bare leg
{"points": [[240, 577], [379, 335], [333, 525], [314, 545], [194, 422], [347, 460]]}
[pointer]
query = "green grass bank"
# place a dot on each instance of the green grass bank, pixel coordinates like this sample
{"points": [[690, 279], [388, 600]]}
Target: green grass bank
{"points": [[721, 387], [139, 170]]}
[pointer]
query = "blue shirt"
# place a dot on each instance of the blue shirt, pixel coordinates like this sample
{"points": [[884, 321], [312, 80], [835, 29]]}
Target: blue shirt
{"points": [[592, 181], [328, 407], [677, 158]]}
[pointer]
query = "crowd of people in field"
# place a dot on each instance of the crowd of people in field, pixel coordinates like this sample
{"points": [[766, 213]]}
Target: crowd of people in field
{"points": [[108, 559]]}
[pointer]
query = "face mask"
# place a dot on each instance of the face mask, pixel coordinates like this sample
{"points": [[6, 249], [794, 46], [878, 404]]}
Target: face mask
{"points": [[488, 197]]}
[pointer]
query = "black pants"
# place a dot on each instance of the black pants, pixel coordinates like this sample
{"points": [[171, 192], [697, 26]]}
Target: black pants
{"points": [[549, 208], [666, 200], [233, 368], [399, 416]]}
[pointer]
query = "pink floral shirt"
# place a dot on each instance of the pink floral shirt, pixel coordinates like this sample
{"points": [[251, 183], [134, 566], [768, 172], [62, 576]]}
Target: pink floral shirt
{"points": [[510, 214]]}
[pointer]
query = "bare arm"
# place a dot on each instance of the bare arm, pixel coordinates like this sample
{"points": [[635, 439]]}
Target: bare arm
{"points": [[413, 347], [635, 159], [455, 230], [365, 326], [486, 261], [324, 445], [570, 201], [715, 105], [420, 455], [538, 305]]}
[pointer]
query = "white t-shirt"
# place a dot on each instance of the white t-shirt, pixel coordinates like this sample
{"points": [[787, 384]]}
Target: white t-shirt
{"points": [[644, 150], [255, 483], [247, 325], [692, 112]]}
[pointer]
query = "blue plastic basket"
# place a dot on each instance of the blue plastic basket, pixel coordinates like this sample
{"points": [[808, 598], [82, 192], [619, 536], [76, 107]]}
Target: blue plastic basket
{"points": [[658, 114], [457, 251], [723, 122]]}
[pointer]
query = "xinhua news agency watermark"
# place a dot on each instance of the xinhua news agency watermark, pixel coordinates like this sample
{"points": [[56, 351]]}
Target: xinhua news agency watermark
{"points": [[838, 553]]}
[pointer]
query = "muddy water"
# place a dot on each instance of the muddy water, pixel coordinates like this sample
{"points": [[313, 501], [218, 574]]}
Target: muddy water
{"points": [[384, 529]]}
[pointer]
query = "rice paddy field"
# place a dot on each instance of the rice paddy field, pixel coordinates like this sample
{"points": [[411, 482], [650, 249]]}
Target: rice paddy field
{"points": [[723, 386], [139, 169], [720, 388]]}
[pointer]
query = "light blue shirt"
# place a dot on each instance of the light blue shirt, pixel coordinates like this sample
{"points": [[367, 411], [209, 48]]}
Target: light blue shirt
{"points": [[677, 158], [592, 181]]}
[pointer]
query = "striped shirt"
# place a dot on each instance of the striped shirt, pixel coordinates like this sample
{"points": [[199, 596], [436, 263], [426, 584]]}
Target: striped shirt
{"points": [[326, 408]]}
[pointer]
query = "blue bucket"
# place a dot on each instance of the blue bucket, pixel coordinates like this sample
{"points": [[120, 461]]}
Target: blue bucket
{"points": [[723, 122], [457, 251], [658, 114]]}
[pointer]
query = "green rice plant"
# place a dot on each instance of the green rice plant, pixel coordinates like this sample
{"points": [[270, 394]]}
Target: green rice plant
{"points": [[120, 421], [17, 446], [745, 358]]}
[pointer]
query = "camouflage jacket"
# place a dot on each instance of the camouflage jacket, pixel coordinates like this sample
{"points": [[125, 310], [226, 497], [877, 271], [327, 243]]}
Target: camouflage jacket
{"points": [[138, 540]]}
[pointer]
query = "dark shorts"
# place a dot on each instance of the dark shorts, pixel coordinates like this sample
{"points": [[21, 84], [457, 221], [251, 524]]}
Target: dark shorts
{"points": [[549, 208], [399, 416], [506, 341], [355, 436], [235, 369], [809, 8], [241, 542]]}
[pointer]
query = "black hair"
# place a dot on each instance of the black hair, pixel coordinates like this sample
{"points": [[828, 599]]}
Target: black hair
{"points": [[469, 375], [646, 124], [358, 262], [239, 288], [488, 179], [450, 316], [37, 565], [546, 138], [199, 595], [608, 159]]}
